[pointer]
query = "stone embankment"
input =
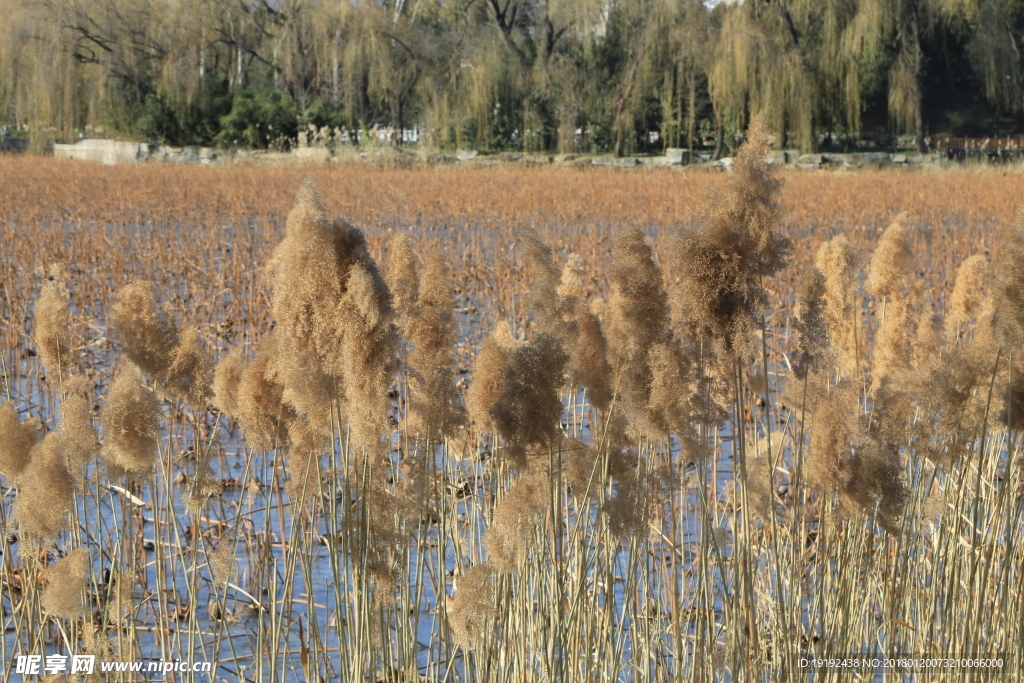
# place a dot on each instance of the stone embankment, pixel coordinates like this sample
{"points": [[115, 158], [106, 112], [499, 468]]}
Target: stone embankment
{"points": [[117, 152]]}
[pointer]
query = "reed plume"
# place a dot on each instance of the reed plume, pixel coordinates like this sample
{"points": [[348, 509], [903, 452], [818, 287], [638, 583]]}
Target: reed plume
{"points": [[894, 341], [953, 397], [148, 336], [427, 319], [52, 324], [586, 343], [892, 264], [509, 537], [968, 295], [334, 320], [489, 376], [580, 468], [188, 373], [65, 583], [45, 494], [842, 307], [227, 379], [928, 337], [636, 497], [474, 608], [722, 264], [151, 340], [131, 424], [636, 321], [812, 330], [403, 280], [834, 432], [875, 485], [759, 483], [1008, 321], [305, 450], [17, 438], [529, 410], [543, 298], [260, 405], [222, 563], [76, 431]]}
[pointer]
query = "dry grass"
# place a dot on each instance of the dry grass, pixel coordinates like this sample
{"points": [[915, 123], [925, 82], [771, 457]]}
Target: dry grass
{"points": [[510, 423]]}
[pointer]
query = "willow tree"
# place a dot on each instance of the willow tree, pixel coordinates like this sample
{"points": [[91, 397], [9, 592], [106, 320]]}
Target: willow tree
{"points": [[688, 61], [536, 35], [762, 62], [996, 42], [39, 86], [893, 33]]}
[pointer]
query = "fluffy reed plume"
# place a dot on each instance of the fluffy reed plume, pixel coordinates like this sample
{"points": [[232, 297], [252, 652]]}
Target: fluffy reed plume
{"points": [[147, 335], [968, 294], [1012, 414], [894, 341], [489, 376], [587, 347], [892, 263], [188, 374], [1008, 322], [928, 337], [474, 608], [227, 378], [636, 321], [403, 281], [202, 484], [65, 583], [892, 407], [636, 312], [45, 493], [834, 431], [543, 299], [76, 431], [17, 438], [222, 563], [259, 398], [515, 515], [176, 362], [875, 485], [811, 328], [935, 506], [52, 324], [570, 283], [759, 484], [579, 468], [334, 319], [632, 506], [376, 532], [673, 406], [304, 454], [121, 605], [953, 397], [842, 308], [722, 264], [588, 361], [131, 423], [528, 412], [428, 321]]}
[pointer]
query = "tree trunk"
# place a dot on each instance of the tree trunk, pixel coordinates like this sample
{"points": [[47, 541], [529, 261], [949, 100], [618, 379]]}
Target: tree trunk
{"points": [[691, 110], [719, 135]]}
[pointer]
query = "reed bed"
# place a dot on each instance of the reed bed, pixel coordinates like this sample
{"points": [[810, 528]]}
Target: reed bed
{"points": [[512, 424]]}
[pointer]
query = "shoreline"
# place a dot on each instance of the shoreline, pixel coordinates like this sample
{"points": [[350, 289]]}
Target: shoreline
{"points": [[114, 152]]}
